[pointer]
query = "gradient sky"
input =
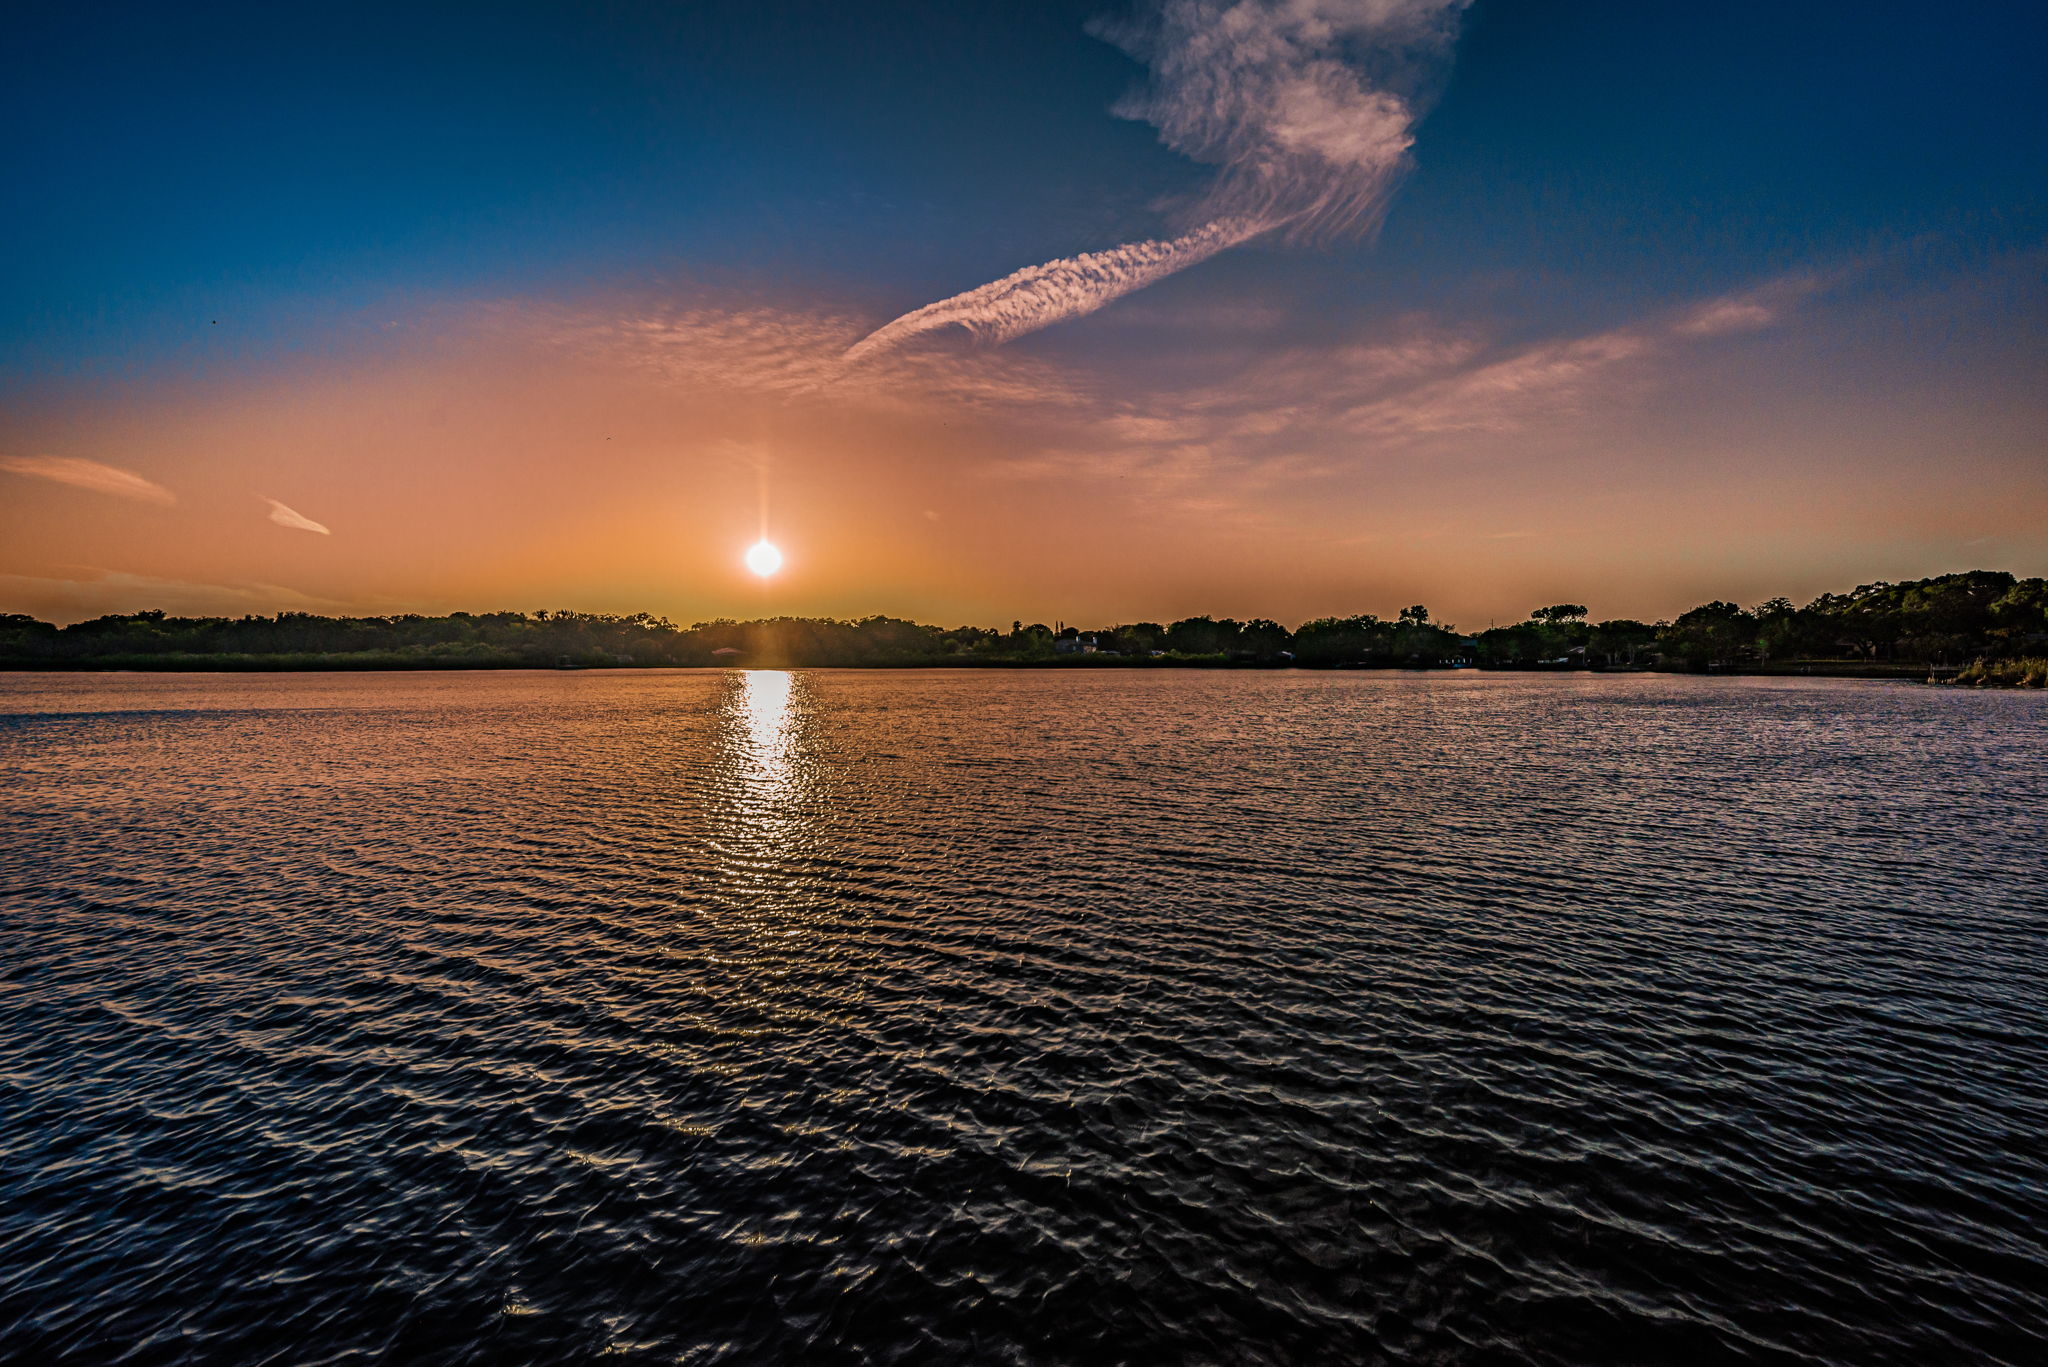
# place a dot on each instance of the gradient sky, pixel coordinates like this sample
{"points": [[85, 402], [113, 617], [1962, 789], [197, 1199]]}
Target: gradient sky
{"points": [[414, 308]]}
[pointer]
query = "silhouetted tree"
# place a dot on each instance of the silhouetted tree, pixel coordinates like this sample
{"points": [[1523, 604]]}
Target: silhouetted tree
{"points": [[1712, 633]]}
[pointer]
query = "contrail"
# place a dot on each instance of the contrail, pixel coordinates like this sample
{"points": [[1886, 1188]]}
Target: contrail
{"points": [[1308, 109], [1029, 299]]}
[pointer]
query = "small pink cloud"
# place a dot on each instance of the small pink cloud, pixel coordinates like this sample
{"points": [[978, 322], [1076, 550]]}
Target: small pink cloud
{"points": [[285, 517], [1726, 315]]}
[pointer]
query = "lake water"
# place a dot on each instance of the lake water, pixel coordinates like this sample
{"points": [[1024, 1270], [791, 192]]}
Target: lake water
{"points": [[1035, 1017]]}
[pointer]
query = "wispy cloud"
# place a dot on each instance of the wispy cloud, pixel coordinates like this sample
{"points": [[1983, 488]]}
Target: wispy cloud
{"points": [[746, 349], [1306, 107], [1502, 394], [1304, 413], [781, 354], [89, 474], [1746, 312], [286, 517], [1316, 412], [1433, 384]]}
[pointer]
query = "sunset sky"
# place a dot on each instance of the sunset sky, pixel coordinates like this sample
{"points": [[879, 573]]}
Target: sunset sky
{"points": [[384, 308]]}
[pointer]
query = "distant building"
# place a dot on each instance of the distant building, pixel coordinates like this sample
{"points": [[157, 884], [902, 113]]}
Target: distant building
{"points": [[1074, 645]]}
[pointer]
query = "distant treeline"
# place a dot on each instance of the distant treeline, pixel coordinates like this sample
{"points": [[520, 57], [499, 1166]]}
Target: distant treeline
{"points": [[1953, 620]]}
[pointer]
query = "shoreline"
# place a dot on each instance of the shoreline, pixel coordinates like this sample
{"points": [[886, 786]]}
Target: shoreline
{"points": [[1909, 673]]}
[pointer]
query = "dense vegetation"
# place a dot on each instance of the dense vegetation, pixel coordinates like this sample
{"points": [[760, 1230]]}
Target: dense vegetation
{"points": [[1953, 620], [2024, 673]]}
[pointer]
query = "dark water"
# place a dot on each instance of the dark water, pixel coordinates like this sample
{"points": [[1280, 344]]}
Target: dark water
{"points": [[1134, 1018]]}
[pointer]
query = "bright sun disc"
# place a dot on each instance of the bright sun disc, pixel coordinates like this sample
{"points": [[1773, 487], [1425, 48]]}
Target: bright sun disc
{"points": [[763, 559]]}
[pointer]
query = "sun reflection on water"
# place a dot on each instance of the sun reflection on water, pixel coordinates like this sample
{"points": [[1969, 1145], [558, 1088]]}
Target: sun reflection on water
{"points": [[763, 769], [764, 823], [763, 708]]}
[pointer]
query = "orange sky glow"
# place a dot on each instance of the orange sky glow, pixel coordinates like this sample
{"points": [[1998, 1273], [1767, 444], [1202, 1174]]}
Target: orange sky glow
{"points": [[613, 454]]}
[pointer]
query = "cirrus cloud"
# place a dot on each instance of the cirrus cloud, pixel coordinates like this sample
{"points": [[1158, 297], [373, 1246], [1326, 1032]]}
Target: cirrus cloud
{"points": [[89, 474]]}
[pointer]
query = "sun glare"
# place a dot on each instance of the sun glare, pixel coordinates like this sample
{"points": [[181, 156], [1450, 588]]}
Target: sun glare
{"points": [[763, 559]]}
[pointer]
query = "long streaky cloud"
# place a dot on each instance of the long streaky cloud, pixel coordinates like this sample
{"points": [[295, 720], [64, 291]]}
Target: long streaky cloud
{"points": [[1029, 299], [89, 474], [1306, 107], [286, 517]]}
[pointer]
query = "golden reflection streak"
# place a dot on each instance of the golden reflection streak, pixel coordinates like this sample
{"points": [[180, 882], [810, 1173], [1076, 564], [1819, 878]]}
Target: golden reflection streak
{"points": [[764, 708], [763, 825], [758, 814]]}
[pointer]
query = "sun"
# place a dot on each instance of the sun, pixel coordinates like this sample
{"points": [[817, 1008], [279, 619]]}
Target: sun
{"points": [[763, 559]]}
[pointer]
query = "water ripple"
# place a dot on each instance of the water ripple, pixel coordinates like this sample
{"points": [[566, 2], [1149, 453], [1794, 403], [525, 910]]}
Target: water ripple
{"points": [[737, 1017]]}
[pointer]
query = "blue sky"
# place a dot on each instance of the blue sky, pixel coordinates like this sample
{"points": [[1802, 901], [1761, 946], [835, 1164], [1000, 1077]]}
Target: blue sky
{"points": [[283, 162]]}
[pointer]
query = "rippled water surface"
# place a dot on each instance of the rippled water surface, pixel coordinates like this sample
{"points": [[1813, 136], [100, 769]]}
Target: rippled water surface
{"points": [[1045, 1017]]}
